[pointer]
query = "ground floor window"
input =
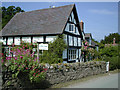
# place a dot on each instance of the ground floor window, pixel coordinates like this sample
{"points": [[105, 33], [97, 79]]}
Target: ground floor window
{"points": [[72, 54], [7, 51]]}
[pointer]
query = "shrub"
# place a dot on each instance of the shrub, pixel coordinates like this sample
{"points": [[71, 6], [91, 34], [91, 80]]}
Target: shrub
{"points": [[55, 51], [24, 61]]}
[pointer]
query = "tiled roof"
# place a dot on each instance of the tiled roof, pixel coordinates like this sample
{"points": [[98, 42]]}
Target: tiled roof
{"points": [[44, 21], [87, 35], [93, 43]]}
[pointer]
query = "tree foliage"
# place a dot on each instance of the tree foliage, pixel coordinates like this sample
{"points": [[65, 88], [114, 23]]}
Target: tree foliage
{"points": [[8, 13], [55, 51], [111, 54], [109, 39]]}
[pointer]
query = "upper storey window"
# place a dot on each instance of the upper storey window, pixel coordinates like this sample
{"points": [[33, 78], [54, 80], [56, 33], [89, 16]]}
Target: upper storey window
{"points": [[72, 28]]}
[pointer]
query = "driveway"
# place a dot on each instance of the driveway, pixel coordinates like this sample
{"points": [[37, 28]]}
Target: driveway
{"points": [[109, 81]]}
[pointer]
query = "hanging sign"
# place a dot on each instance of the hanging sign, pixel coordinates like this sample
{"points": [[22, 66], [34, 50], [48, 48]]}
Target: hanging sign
{"points": [[43, 46]]}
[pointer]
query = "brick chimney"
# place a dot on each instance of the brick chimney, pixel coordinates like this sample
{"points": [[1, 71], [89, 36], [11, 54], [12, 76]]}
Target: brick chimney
{"points": [[82, 26], [113, 40]]}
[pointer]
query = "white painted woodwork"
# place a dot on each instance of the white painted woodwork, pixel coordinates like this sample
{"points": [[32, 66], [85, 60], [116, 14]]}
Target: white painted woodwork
{"points": [[50, 38], [37, 39], [77, 32], [67, 27], [10, 41], [72, 17], [17, 40], [26, 39]]}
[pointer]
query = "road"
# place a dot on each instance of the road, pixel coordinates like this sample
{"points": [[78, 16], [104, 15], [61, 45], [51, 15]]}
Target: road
{"points": [[109, 81]]}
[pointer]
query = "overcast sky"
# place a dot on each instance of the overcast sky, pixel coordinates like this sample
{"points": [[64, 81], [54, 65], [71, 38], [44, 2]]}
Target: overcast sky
{"points": [[100, 18]]}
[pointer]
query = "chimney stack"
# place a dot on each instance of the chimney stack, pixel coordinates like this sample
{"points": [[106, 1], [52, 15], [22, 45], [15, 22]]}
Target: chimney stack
{"points": [[113, 40], [82, 26]]}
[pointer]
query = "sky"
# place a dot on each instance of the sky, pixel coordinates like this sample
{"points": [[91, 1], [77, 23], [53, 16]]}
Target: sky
{"points": [[100, 18]]}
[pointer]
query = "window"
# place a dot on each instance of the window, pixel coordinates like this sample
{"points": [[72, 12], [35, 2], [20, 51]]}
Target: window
{"points": [[72, 54], [7, 51], [72, 27]]}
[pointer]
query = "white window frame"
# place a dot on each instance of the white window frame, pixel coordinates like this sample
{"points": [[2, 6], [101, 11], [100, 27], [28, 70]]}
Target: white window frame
{"points": [[72, 28], [72, 54]]}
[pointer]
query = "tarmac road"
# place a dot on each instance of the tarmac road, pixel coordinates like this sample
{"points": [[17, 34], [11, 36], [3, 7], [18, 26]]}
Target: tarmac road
{"points": [[109, 81]]}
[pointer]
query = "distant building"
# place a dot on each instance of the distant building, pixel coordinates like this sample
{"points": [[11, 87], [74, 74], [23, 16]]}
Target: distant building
{"points": [[87, 37], [114, 43]]}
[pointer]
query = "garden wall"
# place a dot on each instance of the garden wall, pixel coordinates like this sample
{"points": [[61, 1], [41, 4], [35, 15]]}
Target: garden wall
{"points": [[71, 71], [57, 73]]}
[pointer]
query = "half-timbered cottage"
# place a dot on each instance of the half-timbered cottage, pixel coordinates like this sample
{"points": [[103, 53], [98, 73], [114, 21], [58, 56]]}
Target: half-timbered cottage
{"points": [[43, 25]]}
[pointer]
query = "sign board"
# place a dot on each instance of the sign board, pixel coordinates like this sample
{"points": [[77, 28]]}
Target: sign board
{"points": [[43, 46]]}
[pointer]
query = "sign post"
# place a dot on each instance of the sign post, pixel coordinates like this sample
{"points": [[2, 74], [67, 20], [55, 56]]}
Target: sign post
{"points": [[41, 47], [37, 52]]}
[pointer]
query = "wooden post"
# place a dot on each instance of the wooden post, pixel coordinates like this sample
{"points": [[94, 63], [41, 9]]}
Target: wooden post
{"points": [[37, 52]]}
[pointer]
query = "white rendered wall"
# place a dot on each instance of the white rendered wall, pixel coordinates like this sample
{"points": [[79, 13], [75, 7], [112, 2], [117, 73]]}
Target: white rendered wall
{"points": [[75, 41], [65, 54], [10, 41], [79, 41], [17, 40], [50, 38], [37, 39], [4, 41], [70, 41], [65, 38], [26, 39]]}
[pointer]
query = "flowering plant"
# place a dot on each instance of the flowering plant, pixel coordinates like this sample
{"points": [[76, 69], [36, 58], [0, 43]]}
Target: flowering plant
{"points": [[85, 45], [22, 59]]}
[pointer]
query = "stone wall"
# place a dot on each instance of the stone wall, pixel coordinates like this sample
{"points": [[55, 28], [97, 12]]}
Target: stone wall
{"points": [[71, 71], [57, 73]]}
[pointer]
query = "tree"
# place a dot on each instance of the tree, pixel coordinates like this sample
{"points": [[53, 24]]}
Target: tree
{"points": [[8, 13], [55, 51], [109, 39]]}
